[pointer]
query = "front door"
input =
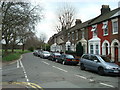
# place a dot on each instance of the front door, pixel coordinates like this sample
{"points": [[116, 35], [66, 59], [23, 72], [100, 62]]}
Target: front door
{"points": [[116, 54]]}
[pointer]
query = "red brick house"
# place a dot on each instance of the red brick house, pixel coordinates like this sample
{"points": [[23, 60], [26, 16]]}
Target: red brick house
{"points": [[104, 34]]}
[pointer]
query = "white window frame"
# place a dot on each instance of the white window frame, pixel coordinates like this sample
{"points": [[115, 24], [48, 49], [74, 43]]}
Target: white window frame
{"points": [[113, 28], [94, 29], [105, 27], [68, 35], [77, 35], [73, 35], [83, 32], [97, 49], [91, 49]]}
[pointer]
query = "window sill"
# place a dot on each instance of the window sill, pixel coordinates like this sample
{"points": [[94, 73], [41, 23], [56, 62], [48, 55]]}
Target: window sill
{"points": [[105, 35], [115, 33]]}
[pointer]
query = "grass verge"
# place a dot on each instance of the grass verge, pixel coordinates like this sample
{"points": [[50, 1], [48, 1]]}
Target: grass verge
{"points": [[13, 56]]}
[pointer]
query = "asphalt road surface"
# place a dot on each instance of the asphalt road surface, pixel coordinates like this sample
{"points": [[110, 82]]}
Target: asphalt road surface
{"points": [[34, 72]]}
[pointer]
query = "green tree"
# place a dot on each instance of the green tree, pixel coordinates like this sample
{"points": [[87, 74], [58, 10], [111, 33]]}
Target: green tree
{"points": [[18, 22], [79, 49]]}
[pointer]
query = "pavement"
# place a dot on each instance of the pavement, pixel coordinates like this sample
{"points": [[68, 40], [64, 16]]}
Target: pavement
{"points": [[8, 85]]}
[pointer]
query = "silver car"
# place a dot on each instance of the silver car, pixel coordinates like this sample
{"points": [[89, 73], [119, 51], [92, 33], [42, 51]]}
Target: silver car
{"points": [[45, 54], [100, 63]]}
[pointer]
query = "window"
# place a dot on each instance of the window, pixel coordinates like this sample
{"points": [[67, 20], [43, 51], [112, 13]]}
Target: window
{"points": [[68, 35], [94, 58], [97, 50], [72, 35], [91, 49], [115, 26], [105, 28], [94, 30], [83, 34], [85, 57], [76, 35]]}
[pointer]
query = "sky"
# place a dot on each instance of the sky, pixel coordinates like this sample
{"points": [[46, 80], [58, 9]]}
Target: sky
{"points": [[85, 10]]}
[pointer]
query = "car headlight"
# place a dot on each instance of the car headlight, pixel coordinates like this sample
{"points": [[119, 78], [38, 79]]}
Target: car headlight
{"points": [[109, 67]]}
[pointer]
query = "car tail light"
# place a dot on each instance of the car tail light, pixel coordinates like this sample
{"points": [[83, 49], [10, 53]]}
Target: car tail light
{"points": [[68, 59], [77, 60]]}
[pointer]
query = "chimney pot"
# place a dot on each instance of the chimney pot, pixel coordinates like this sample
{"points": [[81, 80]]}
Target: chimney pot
{"points": [[78, 21], [105, 9]]}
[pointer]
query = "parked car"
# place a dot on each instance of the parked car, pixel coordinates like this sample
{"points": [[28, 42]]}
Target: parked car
{"points": [[100, 63], [35, 52], [54, 56], [45, 54], [67, 59]]}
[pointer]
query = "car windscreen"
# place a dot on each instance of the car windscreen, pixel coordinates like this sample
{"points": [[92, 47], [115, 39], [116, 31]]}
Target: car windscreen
{"points": [[106, 59], [69, 56]]}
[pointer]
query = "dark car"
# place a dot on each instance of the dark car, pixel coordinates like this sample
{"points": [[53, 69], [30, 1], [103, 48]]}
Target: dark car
{"points": [[54, 56], [35, 52], [67, 59], [100, 63]]}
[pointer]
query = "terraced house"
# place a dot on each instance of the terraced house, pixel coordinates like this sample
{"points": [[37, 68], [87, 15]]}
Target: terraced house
{"points": [[100, 35]]}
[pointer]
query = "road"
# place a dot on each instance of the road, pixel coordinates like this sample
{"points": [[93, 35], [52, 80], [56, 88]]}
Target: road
{"points": [[42, 73]]}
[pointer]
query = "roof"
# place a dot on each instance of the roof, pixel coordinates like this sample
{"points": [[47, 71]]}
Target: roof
{"points": [[81, 25], [104, 17]]}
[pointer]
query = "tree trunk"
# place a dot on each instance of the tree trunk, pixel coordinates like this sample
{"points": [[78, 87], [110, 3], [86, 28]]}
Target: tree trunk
{"points": [[23, 47], [13, 46], [6, 48]]}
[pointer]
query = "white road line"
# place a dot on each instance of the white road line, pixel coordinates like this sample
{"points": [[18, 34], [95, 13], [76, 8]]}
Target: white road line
{"points": [[81, 76], [59, 68], [45, 62], [24, 71], [18, 65], [91, 80], [107, 85]]}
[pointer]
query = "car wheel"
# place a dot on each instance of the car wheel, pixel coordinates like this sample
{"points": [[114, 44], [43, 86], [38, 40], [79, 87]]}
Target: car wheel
{"points": [[101, 71], [63, 62], [52, 59], [82, 67]]}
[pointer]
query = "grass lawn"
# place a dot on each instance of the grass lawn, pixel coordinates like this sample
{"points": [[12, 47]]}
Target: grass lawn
{"points": [[13, 56]]}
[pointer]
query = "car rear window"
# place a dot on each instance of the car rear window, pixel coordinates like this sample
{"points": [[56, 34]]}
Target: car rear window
{"points": [[57, 54], [69, 56], [46, 52]]}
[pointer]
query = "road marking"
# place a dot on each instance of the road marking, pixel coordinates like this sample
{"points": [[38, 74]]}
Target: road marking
{"points": [[81, 76], [107, 85], [60, 68], [18, 65], [91, 80], [24, 71], [45, 62], [26, 84]]}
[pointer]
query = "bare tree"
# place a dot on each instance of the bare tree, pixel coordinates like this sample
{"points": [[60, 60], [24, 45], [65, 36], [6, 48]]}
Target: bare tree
{"points": [[42, 38], [66, 17]]}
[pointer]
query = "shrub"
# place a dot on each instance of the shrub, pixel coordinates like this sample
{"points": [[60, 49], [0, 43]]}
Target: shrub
{"points": [[79, 49], [31, 49]]}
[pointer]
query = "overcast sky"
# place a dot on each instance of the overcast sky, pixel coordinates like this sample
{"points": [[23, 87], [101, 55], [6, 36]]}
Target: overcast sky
{"points": [[86, 9]]}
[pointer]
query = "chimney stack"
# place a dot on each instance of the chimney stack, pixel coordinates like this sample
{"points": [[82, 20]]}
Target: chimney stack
{"points": [[105, 9], [78, 21]]}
